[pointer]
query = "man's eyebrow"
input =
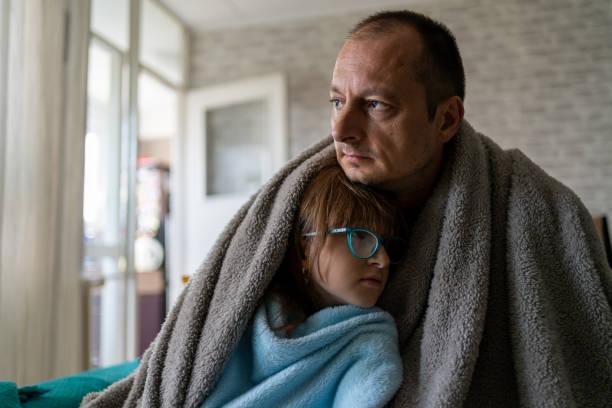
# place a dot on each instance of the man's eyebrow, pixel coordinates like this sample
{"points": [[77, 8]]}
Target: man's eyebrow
{"points": [[334, 89], [384, 92], [380, 91]]}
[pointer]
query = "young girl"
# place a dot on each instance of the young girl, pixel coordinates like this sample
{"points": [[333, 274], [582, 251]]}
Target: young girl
{"points": [[317, 340]]}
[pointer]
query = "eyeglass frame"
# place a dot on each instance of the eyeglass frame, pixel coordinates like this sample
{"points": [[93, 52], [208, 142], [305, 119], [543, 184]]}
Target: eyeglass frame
{"points": [[380, 241]]}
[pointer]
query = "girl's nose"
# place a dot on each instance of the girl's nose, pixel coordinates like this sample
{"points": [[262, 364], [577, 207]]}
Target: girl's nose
{"points": [[380, 259]]}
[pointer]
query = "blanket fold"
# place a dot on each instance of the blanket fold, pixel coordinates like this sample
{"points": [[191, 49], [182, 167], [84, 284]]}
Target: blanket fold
{"points": [[504, 300]]}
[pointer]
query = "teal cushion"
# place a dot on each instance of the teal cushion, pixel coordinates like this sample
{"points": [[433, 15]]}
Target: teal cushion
{"points": [[68, 391], [9, 397], [64, 392]]}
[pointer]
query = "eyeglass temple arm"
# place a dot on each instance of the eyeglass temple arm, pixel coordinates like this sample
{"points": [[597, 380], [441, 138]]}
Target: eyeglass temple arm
{"points": [[331, 231]]}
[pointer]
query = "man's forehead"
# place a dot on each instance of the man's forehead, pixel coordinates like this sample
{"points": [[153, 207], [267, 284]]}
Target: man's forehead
{"points": [[375, 62], [372, 88], [397, 50]]}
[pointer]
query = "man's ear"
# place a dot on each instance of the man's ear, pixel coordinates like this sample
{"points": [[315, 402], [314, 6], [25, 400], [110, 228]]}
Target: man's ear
{"points": [[450, 116]]}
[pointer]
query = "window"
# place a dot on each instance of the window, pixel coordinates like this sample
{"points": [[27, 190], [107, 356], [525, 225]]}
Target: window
{"points": [[162, 47], [110, 20], [104, 206], [127, 87]]}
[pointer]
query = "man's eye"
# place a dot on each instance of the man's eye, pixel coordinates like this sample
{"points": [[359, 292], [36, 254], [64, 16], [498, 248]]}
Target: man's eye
{"points": [[336, 103], [375, 104]]}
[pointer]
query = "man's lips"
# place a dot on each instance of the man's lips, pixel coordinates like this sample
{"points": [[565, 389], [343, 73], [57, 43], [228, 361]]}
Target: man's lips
{"points": [[351, 151], [355, 156]]}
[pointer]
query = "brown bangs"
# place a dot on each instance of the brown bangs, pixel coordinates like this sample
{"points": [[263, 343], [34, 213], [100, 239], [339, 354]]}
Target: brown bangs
{"points": [[333, 201]]}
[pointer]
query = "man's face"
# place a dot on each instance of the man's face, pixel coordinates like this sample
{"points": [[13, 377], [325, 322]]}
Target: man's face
{"points": [[379, 117]]}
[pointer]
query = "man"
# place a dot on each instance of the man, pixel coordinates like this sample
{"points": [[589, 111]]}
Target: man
{"points": [[503, 299], [397, 101]]}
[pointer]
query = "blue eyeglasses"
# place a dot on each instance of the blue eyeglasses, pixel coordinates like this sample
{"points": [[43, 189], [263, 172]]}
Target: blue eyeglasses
{"points": [[365, 244]]}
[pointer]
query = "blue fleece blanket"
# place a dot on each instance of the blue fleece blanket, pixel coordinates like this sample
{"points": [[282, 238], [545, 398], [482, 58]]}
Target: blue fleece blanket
{"points": [[342, 356]]}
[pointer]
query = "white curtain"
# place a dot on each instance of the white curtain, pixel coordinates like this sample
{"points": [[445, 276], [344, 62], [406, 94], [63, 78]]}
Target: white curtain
{"points": [[41, 180]]}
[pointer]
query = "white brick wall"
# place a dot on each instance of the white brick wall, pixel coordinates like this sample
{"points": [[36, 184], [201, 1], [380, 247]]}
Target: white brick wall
{"points": [[539, 77]]}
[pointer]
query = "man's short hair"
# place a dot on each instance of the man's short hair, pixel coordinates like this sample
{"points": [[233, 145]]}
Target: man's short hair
{"points": [[439, 67]]}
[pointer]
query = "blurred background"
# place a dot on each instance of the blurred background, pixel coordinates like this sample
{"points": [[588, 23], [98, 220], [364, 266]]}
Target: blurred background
{"points": [[132, 130]]}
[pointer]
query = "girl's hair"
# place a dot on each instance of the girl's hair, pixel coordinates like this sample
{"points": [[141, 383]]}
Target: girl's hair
{"points": [[331, 200]]}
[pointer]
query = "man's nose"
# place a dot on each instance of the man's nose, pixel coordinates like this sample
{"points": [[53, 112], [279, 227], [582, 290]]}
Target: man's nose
{"points": [[380, 259], [347, 125]]}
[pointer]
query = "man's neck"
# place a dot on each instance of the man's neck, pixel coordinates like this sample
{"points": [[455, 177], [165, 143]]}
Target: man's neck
{"points": [[413, 196], [413, 201]]}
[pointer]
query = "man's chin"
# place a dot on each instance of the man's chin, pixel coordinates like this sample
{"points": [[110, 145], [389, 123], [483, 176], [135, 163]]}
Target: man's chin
{"points": [[361, 176], [358, 175]]}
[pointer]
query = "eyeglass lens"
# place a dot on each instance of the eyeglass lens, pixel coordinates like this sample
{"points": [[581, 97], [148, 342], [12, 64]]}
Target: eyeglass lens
{"points": [[363, 243]]}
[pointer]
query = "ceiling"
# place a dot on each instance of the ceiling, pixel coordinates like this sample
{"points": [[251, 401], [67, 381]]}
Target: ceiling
{"points": [[202, 15]]}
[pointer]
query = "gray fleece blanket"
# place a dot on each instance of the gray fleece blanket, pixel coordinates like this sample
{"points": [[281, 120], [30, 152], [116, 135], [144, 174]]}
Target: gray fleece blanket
{"points": [[504, 300]]}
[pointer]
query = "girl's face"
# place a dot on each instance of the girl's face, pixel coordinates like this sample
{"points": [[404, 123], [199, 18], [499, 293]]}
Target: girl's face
{"points": [[340, 278]]}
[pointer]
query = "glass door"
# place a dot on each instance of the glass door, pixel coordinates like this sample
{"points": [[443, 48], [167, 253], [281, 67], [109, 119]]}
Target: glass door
{"points": [[137, 66], [104, 218]]}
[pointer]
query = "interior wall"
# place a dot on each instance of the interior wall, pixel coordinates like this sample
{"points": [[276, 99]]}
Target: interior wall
{"points": [[539, 78]]}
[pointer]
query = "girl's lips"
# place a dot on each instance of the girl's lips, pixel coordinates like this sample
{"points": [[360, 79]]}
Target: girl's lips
{"points": [[371, 282]]}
